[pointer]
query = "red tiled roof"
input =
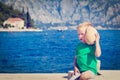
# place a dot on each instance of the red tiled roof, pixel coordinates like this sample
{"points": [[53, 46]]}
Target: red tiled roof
{"points": [[14, 19]]}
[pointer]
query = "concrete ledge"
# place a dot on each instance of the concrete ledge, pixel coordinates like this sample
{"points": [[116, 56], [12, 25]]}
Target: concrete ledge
{"points": [[106, 75]]}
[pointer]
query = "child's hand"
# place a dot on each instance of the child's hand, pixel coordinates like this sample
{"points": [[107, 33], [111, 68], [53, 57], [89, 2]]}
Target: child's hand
{"points": [[76, 70], [98, 49], [97, 37]]}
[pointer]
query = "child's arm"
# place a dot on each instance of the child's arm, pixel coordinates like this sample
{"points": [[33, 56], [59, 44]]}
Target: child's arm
{"points": [[76, 70], [98, 48]]}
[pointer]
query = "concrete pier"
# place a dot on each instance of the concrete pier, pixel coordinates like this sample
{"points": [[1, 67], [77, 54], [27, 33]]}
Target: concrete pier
{"points": [[106, 75]]}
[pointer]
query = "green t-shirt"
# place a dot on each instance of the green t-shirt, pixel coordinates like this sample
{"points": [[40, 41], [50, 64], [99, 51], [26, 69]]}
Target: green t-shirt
{"points": [[86, 59]]}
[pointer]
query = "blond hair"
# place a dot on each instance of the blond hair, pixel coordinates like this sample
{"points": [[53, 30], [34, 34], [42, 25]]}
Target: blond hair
{"points": [[84, 24]]}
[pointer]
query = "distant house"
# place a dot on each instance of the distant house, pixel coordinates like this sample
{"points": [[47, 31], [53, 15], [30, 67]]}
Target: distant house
{"points": [[16, 22]]}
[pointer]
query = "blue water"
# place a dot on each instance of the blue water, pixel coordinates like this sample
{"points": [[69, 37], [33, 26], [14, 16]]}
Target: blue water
{"points": [[52, 51]]}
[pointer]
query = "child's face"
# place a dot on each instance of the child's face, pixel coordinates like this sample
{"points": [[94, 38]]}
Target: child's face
{"points": [[81, 34]]}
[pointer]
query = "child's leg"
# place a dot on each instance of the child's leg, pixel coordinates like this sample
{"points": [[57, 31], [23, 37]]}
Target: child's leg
{"points": [[87, 75]]}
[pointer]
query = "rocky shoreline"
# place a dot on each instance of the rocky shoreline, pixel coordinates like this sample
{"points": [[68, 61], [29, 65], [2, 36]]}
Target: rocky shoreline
{"points": [[19, 30]]}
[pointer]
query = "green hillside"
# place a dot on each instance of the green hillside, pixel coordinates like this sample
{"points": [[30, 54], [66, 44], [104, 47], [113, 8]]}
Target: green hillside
{"points": [[8, 11]]}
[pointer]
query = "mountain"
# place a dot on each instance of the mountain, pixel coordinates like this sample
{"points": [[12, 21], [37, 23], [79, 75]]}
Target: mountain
{"points": [[70, 12]]}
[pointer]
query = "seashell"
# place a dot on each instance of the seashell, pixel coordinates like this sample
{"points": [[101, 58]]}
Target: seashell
{"points": [[90, 35]]}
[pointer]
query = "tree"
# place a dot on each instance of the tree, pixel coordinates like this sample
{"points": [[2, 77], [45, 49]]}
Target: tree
{"points": [[29, 21]]}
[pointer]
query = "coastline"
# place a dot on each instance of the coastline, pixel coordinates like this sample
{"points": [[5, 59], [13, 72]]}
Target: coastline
{"points": [[19, 30], [35, 30], [106, 75]]}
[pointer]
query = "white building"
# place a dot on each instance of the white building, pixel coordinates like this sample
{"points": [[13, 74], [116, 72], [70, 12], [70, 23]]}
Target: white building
{"points": [[16, 22]]}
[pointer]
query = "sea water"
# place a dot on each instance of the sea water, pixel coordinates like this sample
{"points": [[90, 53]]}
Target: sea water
{"points": [[52, 51]]}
